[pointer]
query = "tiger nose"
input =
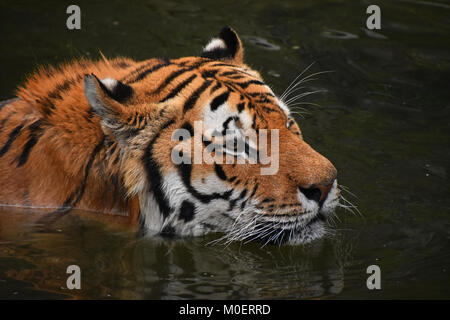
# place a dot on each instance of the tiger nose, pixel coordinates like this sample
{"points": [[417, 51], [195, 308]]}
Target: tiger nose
{"points": [[317, 193]]}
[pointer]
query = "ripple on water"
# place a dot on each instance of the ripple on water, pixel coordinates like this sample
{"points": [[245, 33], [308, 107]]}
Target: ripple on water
{"points": [[338, 34], [261, 43]]}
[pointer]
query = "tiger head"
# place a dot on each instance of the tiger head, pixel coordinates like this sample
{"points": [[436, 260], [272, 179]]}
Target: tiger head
{"points": [[174, 120]]}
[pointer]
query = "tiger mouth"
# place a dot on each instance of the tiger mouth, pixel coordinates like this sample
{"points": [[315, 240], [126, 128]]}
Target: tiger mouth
{"points": [[318, 217], [291, 233]]}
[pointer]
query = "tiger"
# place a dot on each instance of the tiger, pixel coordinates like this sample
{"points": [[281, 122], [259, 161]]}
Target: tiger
{"points": [[99, 136]]}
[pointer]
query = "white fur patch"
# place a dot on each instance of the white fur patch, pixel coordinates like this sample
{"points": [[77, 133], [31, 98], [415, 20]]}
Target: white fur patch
{"points": [[109, 83], [153, 218], [283, 107], [215, 44], [308, 205], [331, 201], [213, 120], [210, 184]]}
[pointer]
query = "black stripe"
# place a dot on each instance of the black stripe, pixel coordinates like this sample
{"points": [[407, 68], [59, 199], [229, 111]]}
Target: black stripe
{"points": [[64, 86], [187, 126], [35, 134], [244, 85], [241, 106], [232, 205], [185, 171], [234, 201], [219, 171], [261, 95], [230, 86], [195, 64], [229, 73], [171, 77], [243, 194], [190, 103], [145, 73], [154, 174], [236, 77], [208, 226], [219, 100], [232, 67], [76, 196], [47, 105], [254, 190], [12, 136], [136, 71], [227, 122], [187, 211], [254, 121], [209, 73], [215, 88], [270, 110], [178, 88]]}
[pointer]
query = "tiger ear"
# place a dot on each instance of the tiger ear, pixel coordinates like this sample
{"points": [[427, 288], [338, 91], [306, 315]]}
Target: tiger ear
{"points": [[106, 99], [227, 47]]}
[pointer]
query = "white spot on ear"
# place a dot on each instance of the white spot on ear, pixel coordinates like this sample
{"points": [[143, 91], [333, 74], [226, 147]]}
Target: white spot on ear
{"points": [[110, 83], [215, 44]]}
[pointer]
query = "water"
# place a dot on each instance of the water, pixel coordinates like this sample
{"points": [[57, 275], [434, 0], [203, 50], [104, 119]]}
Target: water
{"points": [[383, 121]]}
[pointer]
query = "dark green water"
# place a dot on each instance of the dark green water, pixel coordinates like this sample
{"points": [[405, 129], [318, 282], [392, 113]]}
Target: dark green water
{"points": [[383, 122]]}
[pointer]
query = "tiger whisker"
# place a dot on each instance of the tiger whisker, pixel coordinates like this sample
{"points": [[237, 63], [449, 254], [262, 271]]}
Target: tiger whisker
{"points": [[292, 83], [242, 232], [346, 189], [351, 208], [305, 79], [303, 95], [303, 103], [349, 203], [274, 237], [261, 228], [301, 114]]}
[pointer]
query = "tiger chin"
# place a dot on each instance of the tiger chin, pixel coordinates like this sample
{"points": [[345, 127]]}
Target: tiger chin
{"points": [[99, 136]]}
